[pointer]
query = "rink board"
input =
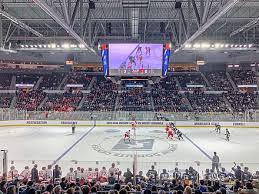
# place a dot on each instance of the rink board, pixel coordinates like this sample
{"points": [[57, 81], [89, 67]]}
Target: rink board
{"points": [[127, 123]]}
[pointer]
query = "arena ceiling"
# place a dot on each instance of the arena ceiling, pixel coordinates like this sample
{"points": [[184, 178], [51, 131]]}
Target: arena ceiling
{"points": [[36, 22]]}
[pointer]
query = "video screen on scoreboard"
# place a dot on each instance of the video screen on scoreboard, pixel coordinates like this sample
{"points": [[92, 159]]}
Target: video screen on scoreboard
{"points": [[135, 59]]}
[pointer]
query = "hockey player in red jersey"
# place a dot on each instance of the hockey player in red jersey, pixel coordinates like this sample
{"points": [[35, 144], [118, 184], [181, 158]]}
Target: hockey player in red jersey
{"points": [[127, 135], [167, 128], [170, 134]]}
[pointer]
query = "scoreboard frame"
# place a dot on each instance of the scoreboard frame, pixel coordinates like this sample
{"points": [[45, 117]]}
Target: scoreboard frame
{"points": [[105, 60]]}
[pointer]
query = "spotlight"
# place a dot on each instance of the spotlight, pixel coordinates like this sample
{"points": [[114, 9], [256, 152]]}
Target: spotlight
{"points": [[45, 46], [53, 45], [31, 46], [226, 45], [22, 46], [236, 45], [65, 46], [35, 46], [81, 46], [250, 45], [205, 45], [40, 45], [222, 45], [49, 45], [217, 45], [197, 45], [231, 45], [26, 46]]}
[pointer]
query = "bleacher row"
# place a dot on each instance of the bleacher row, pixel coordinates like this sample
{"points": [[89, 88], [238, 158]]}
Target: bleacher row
{"points": [[180, 92]]}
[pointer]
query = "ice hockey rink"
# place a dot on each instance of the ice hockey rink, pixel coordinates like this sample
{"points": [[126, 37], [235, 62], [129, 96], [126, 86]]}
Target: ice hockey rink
{"points": [[100, 146]]}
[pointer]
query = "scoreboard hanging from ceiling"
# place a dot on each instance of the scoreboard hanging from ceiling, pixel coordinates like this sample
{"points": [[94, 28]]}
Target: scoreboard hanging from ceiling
{"points": [[131, 60]]}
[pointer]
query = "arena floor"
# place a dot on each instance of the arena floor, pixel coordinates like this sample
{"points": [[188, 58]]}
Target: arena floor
{"points": [[100, 146]]}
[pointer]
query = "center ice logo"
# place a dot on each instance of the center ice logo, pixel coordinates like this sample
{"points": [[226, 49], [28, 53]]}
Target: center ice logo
{"points": [[147, 146], [139, 145]]}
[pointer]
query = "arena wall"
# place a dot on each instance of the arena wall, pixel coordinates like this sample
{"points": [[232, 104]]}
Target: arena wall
{"points": [[196, 124]]}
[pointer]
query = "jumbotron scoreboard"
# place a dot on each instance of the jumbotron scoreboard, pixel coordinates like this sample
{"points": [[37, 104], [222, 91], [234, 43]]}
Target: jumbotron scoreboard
{"points": [[133, 60]]}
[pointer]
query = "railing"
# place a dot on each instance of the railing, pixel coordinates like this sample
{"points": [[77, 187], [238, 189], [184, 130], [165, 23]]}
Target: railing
{"points": [[122, 165], [14, 114]]}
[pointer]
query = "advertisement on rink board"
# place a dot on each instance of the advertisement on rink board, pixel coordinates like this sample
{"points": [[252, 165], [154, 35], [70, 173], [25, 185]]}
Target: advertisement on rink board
{"points": [[195, 124]]}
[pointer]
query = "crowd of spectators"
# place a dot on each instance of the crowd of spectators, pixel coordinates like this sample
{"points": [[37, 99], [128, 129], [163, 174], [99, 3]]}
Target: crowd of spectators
{"points": [[5, 100], [29, 99], [51, 81], [241, 102], [202, 102], [27, 79], [5, 81], [164, 96], [242, 77], [50, 180], [67, 101], [169, 101], [187, 79], [79, 78], [167, 98], [102, 96], [134, 99], [219, 81]]}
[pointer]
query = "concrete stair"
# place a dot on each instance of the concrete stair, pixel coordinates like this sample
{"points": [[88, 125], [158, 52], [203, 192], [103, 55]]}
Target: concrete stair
{"points": [[206, 80], [43, 102], [13, 102], [62, 84], [231, 81], [94, 79], [38, 83], [13, 82], [81, 103], [227, 103]]}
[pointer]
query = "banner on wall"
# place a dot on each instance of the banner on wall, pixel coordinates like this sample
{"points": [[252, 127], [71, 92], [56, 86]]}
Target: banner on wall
{"points": [[195, 124]]}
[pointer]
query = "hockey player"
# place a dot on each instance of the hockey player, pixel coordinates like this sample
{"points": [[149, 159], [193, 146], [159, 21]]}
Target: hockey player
{"points": [[103, 175], [177, 174], [167, 128], [73, 128], [180, 135], [42, 174], [12, 174], [133, 125], [127, 136], [217, 128], [49, 173], [25, 174], [170, 134], [164, 176], [78, 172], [70, 175], [227, 134]]}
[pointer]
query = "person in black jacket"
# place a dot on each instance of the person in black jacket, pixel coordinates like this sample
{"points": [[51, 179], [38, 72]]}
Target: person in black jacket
{"points": [[35, 174], [238, 172], [56, 172]]}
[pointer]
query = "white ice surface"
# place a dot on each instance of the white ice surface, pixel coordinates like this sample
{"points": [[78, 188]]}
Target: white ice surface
{"points": [[45, 144]]}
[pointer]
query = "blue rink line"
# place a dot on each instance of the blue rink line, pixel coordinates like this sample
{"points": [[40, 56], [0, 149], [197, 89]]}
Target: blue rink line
{"points": [[199, 148], [73, 145]]}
